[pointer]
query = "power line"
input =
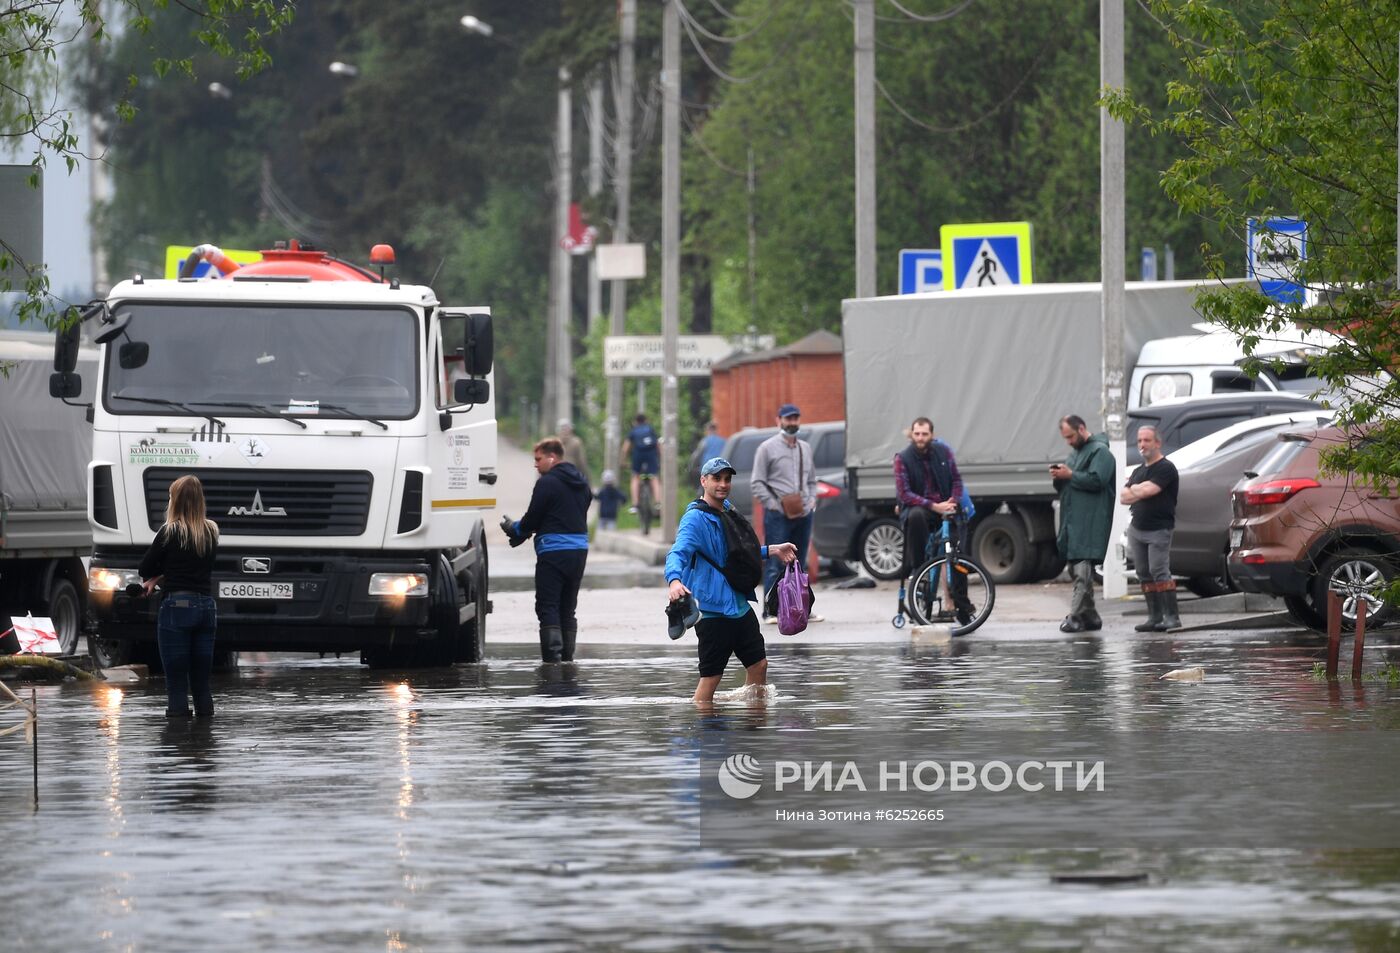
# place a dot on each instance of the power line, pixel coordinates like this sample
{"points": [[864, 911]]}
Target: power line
{"points": [[933, 17], [986, 113]]}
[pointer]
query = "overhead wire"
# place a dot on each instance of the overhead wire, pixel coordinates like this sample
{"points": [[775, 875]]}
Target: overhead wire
{"points": [[932, 17], [986, 113]]}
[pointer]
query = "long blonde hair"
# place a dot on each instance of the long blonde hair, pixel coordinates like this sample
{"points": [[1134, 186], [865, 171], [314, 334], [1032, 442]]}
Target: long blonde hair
{"points": [[184, 515]]}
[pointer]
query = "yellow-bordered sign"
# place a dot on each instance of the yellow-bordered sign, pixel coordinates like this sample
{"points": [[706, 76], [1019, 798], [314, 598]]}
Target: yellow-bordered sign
{"points": [[987, 254], [175, 256]]}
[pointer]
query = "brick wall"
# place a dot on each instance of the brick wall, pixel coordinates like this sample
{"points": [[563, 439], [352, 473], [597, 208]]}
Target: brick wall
{"points": [[749, 394]]}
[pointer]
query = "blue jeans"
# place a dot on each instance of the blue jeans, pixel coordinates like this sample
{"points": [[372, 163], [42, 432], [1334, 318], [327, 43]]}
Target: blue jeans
{"points": [[185, 633], [777, 528]]}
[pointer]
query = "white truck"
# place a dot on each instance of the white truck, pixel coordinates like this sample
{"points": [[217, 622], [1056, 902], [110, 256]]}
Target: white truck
{"points": [[44, 532], [995, 369], [343, 426]]}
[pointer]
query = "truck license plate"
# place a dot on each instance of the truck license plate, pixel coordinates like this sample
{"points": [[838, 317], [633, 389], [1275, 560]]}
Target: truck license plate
{"points": [[255, 590], [1236, 538]]}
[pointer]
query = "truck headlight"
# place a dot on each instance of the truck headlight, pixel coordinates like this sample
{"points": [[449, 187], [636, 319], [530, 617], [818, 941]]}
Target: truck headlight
{"points": [[110, 580], [398, 584]]}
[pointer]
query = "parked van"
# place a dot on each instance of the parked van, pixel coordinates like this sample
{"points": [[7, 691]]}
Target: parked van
{"points": [[1196, 365]]}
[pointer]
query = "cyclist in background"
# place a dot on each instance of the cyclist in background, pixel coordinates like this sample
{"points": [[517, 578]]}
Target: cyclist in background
{"points": [[645, 450]]}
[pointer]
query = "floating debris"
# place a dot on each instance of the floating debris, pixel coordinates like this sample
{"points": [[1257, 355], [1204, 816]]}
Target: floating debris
{"points": [[1195, 674], [1099, 878]]}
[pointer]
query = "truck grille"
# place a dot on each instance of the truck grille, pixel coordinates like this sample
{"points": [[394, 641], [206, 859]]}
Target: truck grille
{"points": [[272, 502]]}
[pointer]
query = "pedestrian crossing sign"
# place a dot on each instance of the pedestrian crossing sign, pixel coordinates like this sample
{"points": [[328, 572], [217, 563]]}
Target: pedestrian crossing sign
{"points": [[987, 254]]}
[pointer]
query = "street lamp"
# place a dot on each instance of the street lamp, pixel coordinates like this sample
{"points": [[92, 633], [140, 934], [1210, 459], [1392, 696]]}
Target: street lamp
{"points": [[220, 91], [559, 371], [473, 25], [348, 70]]}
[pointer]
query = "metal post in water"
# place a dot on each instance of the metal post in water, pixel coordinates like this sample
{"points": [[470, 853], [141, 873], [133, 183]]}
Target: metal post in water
{"points": [[34, 715], [1360, 644], [1334, 633]]}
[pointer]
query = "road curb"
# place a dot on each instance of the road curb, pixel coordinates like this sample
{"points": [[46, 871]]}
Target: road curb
{"points": [[651, 550]]}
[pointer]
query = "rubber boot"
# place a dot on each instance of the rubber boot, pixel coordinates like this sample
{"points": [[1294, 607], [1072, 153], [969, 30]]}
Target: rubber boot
{"points": [[1092, 621], [1154, 609], [1170, 617], [570, 632], [551, 643]]}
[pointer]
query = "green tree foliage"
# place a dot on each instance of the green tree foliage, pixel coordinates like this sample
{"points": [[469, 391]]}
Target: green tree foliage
{"points": [[1289, 107], [988, 115], [34, 109]]}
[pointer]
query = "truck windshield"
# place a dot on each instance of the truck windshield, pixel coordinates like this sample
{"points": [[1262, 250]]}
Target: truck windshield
{"points": [[240, 361]]}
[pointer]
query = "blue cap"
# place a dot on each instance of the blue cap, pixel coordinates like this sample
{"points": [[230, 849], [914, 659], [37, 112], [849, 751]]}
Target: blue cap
{"points": [[789, 410], [715, 465]]}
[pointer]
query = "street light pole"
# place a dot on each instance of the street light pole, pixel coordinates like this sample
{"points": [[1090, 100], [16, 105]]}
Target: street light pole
{"points": [[563, 345], [865, 147], [595, 188], [670, 254], [1113, 241], [622, 186]]}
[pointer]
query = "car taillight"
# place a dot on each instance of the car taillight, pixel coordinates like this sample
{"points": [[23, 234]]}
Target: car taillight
{"points": [[1275, 491], [826, 490]]}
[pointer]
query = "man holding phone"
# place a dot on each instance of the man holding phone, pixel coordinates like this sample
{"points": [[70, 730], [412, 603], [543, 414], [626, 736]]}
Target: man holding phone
{"points": [[1085, 482]]}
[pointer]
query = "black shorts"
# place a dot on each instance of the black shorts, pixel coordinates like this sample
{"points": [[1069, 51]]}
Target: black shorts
{"points": [[648, 463], [723, 636]]}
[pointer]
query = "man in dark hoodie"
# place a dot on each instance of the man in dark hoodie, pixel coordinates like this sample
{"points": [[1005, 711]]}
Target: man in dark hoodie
{"points": [[1085, 483], [558, 519]]}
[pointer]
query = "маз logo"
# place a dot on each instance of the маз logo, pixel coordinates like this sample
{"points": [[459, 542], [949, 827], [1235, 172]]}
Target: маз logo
{"points": [[739, 776]]}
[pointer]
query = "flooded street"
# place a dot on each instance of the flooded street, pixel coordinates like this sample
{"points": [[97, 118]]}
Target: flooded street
{"points": [[328, 807]]}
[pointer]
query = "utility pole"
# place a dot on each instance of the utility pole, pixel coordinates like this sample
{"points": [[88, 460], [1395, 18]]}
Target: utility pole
{"points": [[670, 255], [595, 188], [622, 186], [865, 147], [1113, 241], [563, 343]]}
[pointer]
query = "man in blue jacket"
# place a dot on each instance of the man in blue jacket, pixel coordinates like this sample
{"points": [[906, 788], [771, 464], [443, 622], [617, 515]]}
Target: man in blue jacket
{"points": [[558, 519], [728, 625]]}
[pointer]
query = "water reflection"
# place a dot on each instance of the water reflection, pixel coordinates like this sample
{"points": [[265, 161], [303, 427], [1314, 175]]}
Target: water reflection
{"points": [[524, 806]]}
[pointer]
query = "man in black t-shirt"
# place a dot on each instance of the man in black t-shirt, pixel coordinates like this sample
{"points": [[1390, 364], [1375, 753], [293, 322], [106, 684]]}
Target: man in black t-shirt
{"points": [[1151, 495]]}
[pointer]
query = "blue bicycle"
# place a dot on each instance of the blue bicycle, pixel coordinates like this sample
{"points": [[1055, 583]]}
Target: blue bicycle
{"points": [[949, 588]]}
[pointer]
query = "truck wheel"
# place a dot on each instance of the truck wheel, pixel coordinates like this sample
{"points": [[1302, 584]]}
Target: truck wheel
{"points": [[1049, 562], [1001, 545], [109, 653], [66, 610], [881, 548], [471, 638]]}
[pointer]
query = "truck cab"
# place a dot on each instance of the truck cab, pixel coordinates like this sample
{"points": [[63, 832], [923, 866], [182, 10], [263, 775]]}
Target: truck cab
{"points": [[343, 427]]}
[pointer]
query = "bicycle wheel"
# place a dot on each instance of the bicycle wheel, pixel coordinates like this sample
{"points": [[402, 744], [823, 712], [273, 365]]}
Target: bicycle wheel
{"points": [[961, 598], [644, 512]]}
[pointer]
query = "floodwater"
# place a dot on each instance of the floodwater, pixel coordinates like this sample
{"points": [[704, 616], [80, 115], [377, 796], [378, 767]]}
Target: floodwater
{"points": [[328, 807]]}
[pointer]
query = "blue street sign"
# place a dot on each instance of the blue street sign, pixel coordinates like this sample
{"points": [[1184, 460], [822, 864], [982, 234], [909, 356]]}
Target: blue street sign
{"points": [[989, 254], [1277, 247], [920, 269], [1149, 264]]}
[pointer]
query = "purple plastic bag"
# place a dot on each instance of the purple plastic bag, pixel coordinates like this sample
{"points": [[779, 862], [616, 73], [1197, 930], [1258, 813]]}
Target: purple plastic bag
{"points": [[794, 600]]}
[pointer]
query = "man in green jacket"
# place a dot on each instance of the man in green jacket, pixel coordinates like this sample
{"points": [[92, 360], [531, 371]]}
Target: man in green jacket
{"points": [[1085, 483]]}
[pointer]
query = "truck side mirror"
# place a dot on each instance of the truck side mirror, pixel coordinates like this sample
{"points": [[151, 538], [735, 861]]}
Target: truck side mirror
{"points": [[133, 354], [480, 345], [471, 391], [64, 385], [65, 346]]}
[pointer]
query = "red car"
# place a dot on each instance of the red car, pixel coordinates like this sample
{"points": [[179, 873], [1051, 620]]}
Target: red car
{"points": [[1298, 532]]}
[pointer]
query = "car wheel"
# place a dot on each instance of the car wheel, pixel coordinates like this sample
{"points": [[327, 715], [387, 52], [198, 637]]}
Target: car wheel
{"points": [[1001, 545], [882, 548], [1207, 586], [1302, 611], [1354, 575]]}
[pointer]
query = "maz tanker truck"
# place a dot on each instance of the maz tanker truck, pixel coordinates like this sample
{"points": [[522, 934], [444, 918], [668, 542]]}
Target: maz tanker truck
{"points": [[344, 428]]}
